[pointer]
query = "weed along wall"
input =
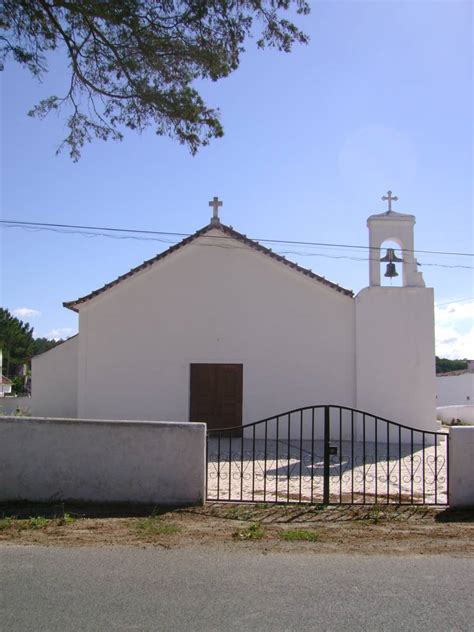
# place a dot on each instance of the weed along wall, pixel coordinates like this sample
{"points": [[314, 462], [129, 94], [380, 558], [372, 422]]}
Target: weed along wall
{"points": [[102, 461]]}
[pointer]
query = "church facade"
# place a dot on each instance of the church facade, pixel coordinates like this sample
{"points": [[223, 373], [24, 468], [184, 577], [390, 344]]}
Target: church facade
{"points": [[220, 329]]}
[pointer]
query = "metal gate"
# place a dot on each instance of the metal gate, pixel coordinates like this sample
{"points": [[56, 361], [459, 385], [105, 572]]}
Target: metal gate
{"points": [[328, 455]]}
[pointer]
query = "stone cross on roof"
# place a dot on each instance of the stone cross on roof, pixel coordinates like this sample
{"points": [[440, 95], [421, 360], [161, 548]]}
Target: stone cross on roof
{"points": [[389, 197], [215, 203]]}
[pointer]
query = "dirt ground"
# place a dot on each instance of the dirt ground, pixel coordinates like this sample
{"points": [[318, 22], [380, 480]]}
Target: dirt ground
{"points": [[265, 528]]}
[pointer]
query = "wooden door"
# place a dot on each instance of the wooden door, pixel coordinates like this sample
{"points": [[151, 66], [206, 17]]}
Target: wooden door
{"points": [[216, 395]]}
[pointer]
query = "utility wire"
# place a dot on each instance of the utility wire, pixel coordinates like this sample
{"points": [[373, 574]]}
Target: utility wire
{"points": [[46, 226], [459, 300], [298, 253]]}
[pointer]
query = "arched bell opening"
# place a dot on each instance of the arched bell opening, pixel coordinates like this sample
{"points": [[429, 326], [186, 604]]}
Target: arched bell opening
{"points": [[391, 263]]}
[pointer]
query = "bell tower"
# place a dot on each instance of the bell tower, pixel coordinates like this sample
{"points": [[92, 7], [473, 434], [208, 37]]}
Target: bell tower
{"points": [[395, 355], [397, 227]]}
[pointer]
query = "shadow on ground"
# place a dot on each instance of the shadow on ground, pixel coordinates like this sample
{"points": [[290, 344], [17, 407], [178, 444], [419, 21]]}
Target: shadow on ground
{"points": [[456, 515], [25, 510]]}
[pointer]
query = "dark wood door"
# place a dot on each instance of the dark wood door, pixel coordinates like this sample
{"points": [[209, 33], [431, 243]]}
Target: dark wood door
{"points": [[216, 395]]}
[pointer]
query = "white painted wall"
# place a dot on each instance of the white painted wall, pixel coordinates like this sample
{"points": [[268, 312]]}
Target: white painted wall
{"points": [[9, 405], [215, 301], [101, 461], [219, 301], [5, 389], [455, 389], [448, 413], [461, 471], [395, 363], [54, 381]]}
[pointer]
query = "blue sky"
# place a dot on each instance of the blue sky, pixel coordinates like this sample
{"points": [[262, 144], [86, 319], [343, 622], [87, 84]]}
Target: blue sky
{"points": [[381, 98]]}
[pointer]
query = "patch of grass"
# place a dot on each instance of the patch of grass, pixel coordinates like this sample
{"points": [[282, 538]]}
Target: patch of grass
{"points": [[66, 518], [254, 532], [159, 511], [5, 523], [237, 513], [299, 535], [375, 514], [156, 526], [37, 522]]}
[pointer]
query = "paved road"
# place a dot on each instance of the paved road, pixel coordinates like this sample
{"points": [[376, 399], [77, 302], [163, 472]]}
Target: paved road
{"points": [[208, 589]]}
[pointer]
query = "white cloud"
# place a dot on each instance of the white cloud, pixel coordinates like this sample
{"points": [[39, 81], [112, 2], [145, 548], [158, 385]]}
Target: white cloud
{"points": [[26, 312], [60, 333], [455, 330]]}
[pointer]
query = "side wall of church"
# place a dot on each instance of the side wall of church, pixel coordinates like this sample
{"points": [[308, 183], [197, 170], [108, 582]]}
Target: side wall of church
{"points": [[395, 358], [54, 381], [215, 301]]}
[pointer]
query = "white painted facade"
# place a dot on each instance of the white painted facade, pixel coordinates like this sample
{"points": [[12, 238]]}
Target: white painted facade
{"points": [[5, 384], [54, 389], [218, 299], [211, 303], [5, 387], [455, 390]]}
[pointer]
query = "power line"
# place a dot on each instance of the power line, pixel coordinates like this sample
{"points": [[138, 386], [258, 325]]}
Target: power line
{"points": [[168, 242], [46, 226], [459, 300]]}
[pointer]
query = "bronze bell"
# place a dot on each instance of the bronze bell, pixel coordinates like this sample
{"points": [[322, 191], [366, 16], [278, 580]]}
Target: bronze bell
{"points": [[390, 257], [391, 270]]}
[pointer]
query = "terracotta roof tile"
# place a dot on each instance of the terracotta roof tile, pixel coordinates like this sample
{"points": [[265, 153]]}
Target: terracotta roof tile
{"points": [[5, 380], [230, 232]]}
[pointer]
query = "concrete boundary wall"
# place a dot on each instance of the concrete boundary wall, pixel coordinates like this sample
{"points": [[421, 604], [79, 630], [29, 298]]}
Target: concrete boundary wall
{"points": [[448, 413], [461, 466], [9, 405], [153, 462]]}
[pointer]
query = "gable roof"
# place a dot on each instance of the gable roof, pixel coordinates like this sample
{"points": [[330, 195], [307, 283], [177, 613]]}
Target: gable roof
{"points": [[5, 380], [226, 230]]}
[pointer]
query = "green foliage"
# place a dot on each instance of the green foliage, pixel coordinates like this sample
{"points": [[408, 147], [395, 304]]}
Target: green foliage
{"points": [[37, 522], [375, 514], [5, 523], [18, 346], [299, 535], [156, 526], [443, 365], [254, 532], [239, 512], [16, 341], [135, 63], [66, 518], [18, 385]]}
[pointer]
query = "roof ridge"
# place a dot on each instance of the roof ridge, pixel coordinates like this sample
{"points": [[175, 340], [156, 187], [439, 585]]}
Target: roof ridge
{"points": [[199, 233]]}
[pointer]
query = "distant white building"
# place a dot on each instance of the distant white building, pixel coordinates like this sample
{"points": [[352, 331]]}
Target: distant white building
{"points": [[456, 388], [220, 328], [5, 383]]}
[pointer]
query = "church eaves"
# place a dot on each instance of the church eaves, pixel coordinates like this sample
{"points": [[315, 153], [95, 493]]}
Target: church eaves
{"points": [[230, 232]]}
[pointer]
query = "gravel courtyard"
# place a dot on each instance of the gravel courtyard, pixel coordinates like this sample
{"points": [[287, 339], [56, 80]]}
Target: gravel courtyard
{"points": [[281, 471]]}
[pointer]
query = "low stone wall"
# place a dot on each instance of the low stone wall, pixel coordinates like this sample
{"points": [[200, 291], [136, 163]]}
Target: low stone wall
{"points": [[448, 413], [102, 461], [461, 469], [9, 405]]}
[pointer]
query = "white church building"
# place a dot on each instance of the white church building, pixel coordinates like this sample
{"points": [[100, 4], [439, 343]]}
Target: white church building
{"points": [[219, 328]]}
